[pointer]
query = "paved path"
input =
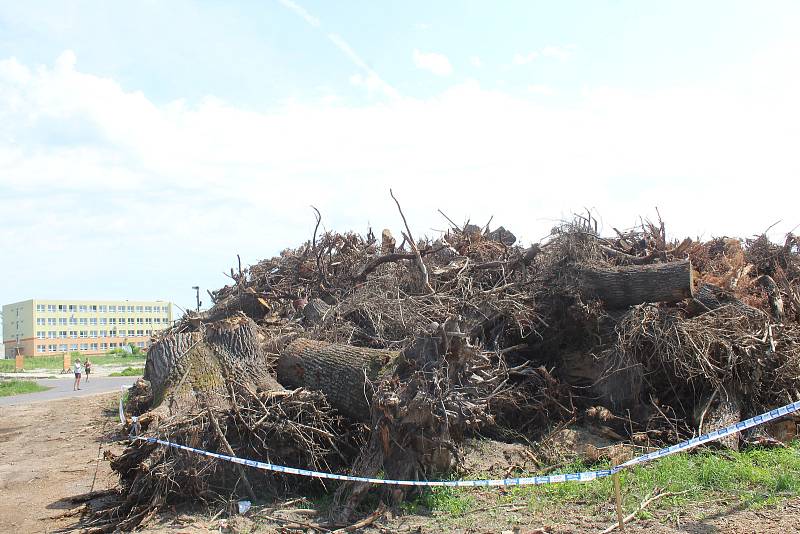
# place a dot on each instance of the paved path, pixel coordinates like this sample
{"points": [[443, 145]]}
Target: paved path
{"points": [[61, 388]]}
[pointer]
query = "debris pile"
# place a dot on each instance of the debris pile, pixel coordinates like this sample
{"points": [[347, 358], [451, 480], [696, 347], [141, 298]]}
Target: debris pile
{"points": [[381, 356]]}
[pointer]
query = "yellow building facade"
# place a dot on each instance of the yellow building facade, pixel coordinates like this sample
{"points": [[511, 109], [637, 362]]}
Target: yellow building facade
{"points": [[39, 327]]}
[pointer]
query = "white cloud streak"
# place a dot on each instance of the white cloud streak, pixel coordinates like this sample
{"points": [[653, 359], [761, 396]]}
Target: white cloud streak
{"points": [[302, 12], [345, 48]]}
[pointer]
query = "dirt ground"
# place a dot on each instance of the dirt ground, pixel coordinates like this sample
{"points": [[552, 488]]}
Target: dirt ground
{"points": [[52, 451], [49, 452]]}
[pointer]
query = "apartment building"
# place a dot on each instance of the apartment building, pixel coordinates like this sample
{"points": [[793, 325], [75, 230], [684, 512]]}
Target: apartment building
{"points": [[41, 327]]}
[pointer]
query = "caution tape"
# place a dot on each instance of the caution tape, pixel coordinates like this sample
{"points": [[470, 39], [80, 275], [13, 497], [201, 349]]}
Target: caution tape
{"points": [[583, 476]]}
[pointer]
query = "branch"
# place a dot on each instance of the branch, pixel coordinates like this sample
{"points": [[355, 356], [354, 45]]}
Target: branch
{"points": [[414, 249], [641, 507]]}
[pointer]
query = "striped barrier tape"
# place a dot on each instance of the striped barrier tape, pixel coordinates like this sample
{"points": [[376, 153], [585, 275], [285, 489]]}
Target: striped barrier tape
{"points": [[583, 476]]}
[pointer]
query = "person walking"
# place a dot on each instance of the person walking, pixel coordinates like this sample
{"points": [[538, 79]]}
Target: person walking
{"points": [[87, 367], [77, 368]]}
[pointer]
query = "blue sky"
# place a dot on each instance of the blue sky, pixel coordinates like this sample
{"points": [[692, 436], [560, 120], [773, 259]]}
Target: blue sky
{"points": [[144, 144]]}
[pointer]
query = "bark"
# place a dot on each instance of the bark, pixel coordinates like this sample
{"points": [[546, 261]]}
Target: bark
{"points": [[718, 410], [621, 287], [339, 371], [179, 365], [709, 297]]}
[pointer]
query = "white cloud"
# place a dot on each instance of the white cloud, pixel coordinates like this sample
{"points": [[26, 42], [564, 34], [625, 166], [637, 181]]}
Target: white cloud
{"points": [[562, 53], [110, 186], [433, 62], [524, 59], [476, 61], [541, 89]]}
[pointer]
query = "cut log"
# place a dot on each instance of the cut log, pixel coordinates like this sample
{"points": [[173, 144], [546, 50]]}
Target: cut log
{"points": [[339, 371], [620, 287]]}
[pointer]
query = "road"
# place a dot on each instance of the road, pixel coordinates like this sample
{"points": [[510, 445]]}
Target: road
{"points": [[61, 388]]}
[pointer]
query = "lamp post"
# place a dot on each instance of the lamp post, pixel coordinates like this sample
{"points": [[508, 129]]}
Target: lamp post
{"points": [[197, 296]]}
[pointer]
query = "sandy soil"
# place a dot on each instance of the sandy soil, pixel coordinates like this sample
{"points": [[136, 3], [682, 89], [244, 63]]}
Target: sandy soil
{"points": [[52, 451], [49, 452]]}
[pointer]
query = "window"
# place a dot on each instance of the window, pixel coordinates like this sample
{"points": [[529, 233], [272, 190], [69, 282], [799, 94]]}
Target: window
{"points": [[149, 320], [41, 321], [63, 347], [131, 333], [40, 334], [52, 334], [92, 333], [149, 332], [52, 348], [112, 309], [139, 309], [130, 320], [103, 346], [140, 344], [103, 320], [139, 320], [93, 320], [73, 308], [112, 333], [83, 308], [84, 333], [73, 346], [51, 321], [140, 333], [62, 334], [103, 308], [62, 321], [93, 346], [51, 307], [165, 309], [39, 348], [40, 307], [62, 307], [83, 321], [112, 320], [73, 320], [93, 308], [73, 334], [103, 333], [148, 309], [130, 309], [84, 346], [113, 345]]}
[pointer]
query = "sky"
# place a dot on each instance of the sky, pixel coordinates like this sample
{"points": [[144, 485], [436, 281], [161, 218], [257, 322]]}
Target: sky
{"points": [[143, 145]]}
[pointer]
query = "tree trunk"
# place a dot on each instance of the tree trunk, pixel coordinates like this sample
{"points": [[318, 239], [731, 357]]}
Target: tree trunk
{"points": [[339, 371], [620, 287]]}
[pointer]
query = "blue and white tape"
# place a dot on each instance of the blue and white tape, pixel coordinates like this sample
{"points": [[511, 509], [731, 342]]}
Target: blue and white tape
{"points": [[583, 476]]}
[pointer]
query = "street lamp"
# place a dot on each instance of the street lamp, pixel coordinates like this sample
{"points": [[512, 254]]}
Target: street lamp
{"points": [[197, 296]]}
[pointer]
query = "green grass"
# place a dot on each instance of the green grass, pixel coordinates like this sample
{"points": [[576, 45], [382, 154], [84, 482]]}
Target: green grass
{"points": [[129, 371], [754, 478], [18, 387], [57, 362]]}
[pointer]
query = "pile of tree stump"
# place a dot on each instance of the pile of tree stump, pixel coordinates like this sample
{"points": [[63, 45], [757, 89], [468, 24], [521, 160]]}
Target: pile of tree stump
{"points": [[370, 355]]}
